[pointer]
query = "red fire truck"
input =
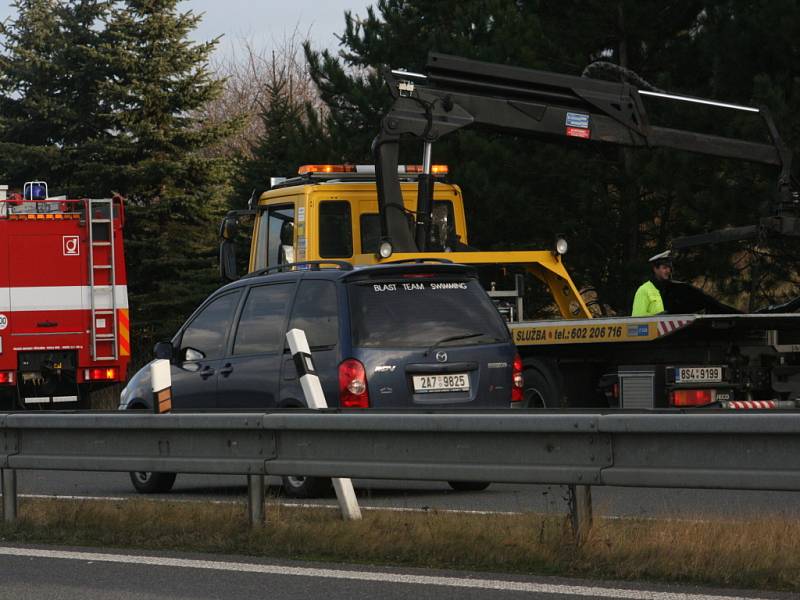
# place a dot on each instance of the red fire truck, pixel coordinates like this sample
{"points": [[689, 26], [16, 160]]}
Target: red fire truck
{"points": [[63, 299]]}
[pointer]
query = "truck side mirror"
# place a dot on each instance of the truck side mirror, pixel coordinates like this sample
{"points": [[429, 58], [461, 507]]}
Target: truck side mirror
{"points": [[227, 261], [228, 228], [227, 249]]}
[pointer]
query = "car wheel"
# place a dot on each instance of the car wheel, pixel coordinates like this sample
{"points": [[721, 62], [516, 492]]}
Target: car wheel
{"points": [[542, 388], [469, 486], [148, 482], [297, 486]]}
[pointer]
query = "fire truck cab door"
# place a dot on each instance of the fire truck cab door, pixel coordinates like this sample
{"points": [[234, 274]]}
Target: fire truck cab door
{"points": [[203, 342]]}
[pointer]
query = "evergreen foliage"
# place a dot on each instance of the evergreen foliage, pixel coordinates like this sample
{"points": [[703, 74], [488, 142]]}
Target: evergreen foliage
{"points": [[50, 73], [176, 191], [291, 130]]}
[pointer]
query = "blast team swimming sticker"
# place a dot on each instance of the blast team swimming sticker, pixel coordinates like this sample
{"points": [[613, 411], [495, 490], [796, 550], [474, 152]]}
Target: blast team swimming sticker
{"points": [[407, 287]]}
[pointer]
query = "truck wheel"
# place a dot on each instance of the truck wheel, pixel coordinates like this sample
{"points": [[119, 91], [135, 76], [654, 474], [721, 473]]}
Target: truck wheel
{"points": [[148, 482], [542, 388], [296, 486], [469, 486]]}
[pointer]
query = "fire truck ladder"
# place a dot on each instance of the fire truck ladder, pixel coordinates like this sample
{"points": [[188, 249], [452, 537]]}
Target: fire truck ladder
{"points": [[100, 214]]}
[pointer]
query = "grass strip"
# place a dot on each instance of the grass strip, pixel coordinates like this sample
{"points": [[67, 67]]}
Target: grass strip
{"points": [[757, 554]]}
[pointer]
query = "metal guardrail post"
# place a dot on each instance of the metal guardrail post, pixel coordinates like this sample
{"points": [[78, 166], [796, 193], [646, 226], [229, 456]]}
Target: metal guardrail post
{"points": [[580, 511], [255, 500], [9, 483]]}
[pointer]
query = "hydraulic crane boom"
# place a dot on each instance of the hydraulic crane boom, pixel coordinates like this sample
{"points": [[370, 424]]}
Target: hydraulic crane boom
{"points": [[457, 92]]}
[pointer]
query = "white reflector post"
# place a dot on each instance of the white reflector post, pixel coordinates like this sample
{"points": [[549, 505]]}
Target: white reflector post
{"points": [[161, 382], [315, 398], [309, 381]]}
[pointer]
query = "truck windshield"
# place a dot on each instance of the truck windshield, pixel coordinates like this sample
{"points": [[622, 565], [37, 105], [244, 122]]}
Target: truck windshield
{"points": [[422, 313]]}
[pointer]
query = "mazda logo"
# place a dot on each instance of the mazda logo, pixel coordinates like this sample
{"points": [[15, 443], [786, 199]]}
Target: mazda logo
{"points": [[441, 356]]}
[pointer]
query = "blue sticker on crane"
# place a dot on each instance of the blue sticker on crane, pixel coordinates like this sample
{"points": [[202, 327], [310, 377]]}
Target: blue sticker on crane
{"points": [[638, 331], [577, 120]]}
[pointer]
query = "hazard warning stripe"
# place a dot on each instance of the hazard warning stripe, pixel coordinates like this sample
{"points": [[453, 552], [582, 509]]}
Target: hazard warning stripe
{"points": [[750, 404], [61, 297], [666, 326], [124, 334]]}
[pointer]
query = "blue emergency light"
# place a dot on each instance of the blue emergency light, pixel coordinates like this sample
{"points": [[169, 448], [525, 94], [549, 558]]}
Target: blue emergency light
{"points": [[35, 190]]}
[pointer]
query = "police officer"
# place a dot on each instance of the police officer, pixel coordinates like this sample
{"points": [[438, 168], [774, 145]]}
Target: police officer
{"points": [[648, 300]]}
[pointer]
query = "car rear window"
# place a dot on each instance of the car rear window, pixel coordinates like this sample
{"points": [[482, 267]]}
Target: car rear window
{"points": [[421, 312]]}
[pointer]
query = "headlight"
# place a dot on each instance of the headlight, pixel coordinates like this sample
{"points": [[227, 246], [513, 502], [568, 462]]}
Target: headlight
{"points": [[385, 249], [561, 246]]}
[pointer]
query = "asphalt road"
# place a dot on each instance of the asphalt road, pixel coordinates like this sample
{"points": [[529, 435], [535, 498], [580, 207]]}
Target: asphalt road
{"points": [[34, 573], [609, 501]]}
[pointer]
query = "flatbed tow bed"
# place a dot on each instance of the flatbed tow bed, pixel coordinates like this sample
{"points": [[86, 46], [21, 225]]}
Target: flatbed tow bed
{"points": [[665, 360]]}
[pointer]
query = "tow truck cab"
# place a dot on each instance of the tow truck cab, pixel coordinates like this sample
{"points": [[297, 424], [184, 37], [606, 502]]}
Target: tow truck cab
{"points": [[331, 212]]}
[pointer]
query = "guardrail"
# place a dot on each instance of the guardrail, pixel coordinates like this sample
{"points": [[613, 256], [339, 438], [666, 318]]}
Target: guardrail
{"points": [[717, 451]]}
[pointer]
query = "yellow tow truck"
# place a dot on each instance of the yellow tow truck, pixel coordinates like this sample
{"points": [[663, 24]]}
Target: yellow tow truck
{"points": [[390, 212]]}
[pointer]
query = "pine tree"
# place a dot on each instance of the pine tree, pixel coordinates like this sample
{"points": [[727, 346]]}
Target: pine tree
{"points": [[277, 150], [159, 159], [50, 71]]}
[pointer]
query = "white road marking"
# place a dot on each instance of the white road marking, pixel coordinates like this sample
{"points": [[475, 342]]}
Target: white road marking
{"points": [[282, 504], [456, 582], [128, 499], [399, 509]]}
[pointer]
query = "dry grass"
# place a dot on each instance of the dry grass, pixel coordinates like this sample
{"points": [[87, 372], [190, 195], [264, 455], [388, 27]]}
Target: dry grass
{"points": [[106, 398], [755, 554]]}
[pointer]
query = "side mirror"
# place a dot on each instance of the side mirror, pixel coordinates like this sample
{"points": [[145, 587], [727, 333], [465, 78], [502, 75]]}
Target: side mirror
{"points": [[164, 350], [228, 228], [192, 355], [227, 261]]}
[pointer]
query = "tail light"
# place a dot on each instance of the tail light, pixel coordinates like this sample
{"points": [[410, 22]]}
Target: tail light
{"points": [[7, 377], [517, 380], [353, 391], [100, 374], [691, 397]]}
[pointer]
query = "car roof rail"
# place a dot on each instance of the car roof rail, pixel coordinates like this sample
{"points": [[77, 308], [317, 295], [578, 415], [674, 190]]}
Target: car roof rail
{"points": [[417, 261], [306, 265]]}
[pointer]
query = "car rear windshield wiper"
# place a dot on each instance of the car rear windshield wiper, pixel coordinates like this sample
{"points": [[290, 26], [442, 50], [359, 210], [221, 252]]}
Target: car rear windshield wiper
{"points": [[453, 338]]}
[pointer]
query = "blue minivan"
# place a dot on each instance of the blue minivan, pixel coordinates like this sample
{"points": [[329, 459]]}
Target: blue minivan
{"points": [[396, 336]]}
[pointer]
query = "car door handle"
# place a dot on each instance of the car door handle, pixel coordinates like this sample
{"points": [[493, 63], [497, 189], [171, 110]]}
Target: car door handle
{"points": [[207, 372], [226, 370]]}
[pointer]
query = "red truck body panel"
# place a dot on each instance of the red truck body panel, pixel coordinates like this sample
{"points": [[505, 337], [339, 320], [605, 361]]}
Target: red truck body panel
{"points": [[56, 273]]}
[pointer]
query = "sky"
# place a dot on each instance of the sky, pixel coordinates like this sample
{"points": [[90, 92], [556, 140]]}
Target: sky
{"points": [[263, 23]]}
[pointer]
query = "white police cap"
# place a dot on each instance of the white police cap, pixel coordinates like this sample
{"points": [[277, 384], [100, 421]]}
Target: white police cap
{"points": [[662, 257]]}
